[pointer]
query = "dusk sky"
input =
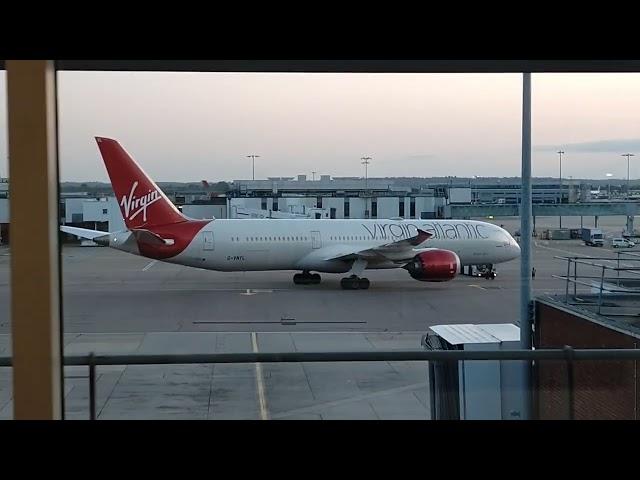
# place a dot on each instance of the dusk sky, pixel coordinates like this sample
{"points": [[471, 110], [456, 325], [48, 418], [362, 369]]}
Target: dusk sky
{"points": [[193, 126]]}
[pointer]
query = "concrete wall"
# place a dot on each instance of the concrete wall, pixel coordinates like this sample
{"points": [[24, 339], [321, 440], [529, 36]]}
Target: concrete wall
{"points": [[334, 202], [388, 207], [296, 204], [201, 212], [95, 210], [103, 210], [459, 195], [407, 207], [357, 207], [253, 203], [73, 206], [425, 204]]}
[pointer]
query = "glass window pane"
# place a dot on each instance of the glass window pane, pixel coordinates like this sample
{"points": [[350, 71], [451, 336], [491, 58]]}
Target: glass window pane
{"points": [[446, 151]]}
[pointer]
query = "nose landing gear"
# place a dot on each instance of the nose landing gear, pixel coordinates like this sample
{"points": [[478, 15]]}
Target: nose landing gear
{"points": [[487, 271]]}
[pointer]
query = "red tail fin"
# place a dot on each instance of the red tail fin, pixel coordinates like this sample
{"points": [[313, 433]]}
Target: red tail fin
{"points": [[142, 203]]}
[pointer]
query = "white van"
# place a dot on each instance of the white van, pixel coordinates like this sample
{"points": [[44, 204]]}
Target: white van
{"points": [[622, 243]]}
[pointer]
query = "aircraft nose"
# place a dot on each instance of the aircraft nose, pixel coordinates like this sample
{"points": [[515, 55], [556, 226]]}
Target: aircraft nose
{"points": [[516, 248]]}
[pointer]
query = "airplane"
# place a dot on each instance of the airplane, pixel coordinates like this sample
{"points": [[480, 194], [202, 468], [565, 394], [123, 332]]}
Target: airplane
{"points": [[597, 193], [430, 250]]}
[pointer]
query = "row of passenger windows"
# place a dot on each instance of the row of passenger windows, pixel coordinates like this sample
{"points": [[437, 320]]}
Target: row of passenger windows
{"points": [[270, 239], [349, 237], [299, 239]]}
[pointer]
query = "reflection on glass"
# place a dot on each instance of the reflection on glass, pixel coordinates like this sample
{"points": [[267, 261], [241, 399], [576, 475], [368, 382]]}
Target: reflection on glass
{"points": [[209, 213]]}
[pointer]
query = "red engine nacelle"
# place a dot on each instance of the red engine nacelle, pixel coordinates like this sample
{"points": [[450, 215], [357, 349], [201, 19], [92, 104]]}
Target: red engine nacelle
{"points": [[434, 266]]}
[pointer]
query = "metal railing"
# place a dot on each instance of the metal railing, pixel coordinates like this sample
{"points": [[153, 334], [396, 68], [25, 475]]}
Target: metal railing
{"points": [[605, 284], [567, 354]]}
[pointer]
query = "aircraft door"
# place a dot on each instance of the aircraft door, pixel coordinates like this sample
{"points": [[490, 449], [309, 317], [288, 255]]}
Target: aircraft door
{"points": [[316, 240], [207, 241]]}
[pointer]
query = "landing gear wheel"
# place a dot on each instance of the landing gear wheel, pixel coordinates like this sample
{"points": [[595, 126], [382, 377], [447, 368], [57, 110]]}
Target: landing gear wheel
{"points": [[306, 278], [348, 283], [354, 283]]}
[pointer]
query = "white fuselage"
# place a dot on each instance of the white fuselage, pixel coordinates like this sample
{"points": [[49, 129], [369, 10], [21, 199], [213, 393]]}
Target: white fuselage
{"points": [[301, 244]]}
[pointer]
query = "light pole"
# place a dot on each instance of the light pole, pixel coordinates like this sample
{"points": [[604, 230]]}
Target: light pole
{"points": [[628, 155], [253, 161], [365, 161], [609, 175], [474, 198], [560, 153]]}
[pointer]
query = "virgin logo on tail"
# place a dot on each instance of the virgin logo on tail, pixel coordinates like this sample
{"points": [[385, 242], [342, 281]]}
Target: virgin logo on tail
{"points": [[133, 205]]}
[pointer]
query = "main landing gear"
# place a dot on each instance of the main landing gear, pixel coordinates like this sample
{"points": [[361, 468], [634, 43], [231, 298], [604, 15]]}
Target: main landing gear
{"points": [[354, 283], [306, 278]]}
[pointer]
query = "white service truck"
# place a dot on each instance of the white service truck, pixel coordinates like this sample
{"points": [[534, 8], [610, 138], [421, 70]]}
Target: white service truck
{"points": [[593, 237]]}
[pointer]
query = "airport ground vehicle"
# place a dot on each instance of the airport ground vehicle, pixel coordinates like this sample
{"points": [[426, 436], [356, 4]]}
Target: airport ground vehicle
{"points": [[593, 237], [622, 243]]}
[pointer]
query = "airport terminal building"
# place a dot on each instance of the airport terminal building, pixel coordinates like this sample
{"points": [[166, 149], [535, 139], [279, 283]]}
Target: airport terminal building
{"points": [[323, 198]]}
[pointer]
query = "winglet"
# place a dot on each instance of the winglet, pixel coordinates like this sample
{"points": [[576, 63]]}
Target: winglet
{"points": [[420, 238]]}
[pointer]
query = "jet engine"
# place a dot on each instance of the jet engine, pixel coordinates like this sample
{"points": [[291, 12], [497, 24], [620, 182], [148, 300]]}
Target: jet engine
{"points": [[434, 266]]}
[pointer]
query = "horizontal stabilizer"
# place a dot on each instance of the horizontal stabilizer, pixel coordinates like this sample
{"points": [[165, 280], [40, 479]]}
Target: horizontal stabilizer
{"points": [[83, 232]]}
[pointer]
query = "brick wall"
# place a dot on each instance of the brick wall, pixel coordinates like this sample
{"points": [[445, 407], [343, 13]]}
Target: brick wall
{"points": [[603, 389]]}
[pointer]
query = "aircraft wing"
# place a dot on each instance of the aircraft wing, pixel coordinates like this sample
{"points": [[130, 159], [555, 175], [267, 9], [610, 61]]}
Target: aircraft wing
{"points": [[396, 250], [83, 232]]}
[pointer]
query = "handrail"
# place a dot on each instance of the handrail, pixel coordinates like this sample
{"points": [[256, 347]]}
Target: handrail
{"points": [[370, 356], [567, 354], [590, 262], [593, 284], [608, 288]]}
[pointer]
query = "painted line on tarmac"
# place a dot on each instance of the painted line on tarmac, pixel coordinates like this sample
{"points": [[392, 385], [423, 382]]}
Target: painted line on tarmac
{"points": [[477, 286], [573, 254], [149, 265], [357, 398], [576, 254], [264, 412], [253, 291]]}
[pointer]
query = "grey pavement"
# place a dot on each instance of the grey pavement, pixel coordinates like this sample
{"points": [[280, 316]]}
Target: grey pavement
{"points": [[336, 390]]}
